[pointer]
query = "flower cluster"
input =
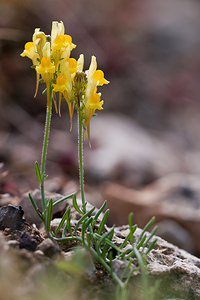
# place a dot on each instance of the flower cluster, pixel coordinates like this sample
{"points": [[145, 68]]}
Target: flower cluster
{"points": [[64, 75]]}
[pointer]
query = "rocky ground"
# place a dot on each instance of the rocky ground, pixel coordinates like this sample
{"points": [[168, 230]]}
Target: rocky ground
{"points": [[38, 266]]}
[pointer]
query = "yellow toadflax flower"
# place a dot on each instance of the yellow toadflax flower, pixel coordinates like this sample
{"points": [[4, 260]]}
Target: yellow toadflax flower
{"points": [[57, 29], [92, 100], [30, 51], [64, 83], [63, 87], [39, 39], [46, 69], [61, 44]]}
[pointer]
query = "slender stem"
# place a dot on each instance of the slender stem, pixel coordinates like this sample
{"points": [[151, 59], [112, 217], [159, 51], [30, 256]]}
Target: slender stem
{"points": [[80, 154], [44, 149]]}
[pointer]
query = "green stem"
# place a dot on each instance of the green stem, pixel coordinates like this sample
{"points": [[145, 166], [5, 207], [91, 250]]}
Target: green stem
{"points": [[44, 149], [80, 154]]}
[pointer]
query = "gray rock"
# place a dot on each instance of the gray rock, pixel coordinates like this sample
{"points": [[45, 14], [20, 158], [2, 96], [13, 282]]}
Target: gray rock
{"points": [[177, 271], [27, 241], [13, 244], [11, 216], [49, 248], [29, 212]]}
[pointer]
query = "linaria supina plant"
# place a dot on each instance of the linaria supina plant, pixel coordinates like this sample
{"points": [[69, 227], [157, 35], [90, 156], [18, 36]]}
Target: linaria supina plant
{"points": [[64, 75]]}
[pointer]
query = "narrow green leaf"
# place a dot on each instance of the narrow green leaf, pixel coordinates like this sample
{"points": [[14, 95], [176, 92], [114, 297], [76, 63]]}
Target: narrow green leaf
{"points": [[82, 219], [63, 199], [49, 215], [99, 211], [126, 269], [85, 225], [44, 91], [61, 222], [68, 220], [64, 230], [151, 246], [106, 246], [75, 204], [139, 259], [146, 228], [150, 236], [35, 206], [110, 243], [130, 222], [66, 239], [88, 239], [141, 242], [103, 222], [103, 237], [38, 174], [128, 236]]}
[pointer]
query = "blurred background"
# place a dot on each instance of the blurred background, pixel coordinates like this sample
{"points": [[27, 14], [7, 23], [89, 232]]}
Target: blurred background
{"points": [[145, 154]]}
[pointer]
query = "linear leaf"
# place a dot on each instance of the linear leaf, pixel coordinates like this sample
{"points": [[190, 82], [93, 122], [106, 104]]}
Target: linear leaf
{"points": [[103, 237], [75, 204], [110, 243], [100, 211], [106, 246], [68, 220], [49, 215], [146, 228], [61, 222], [150, 236], [63, 199], [141, 242], [128, 237], [85, 225], [35, 206], [38, 174], [84, 217], [151, 246], [130, 222], [103, 222]]}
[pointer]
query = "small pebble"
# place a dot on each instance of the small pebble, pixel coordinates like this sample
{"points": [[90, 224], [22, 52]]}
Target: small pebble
{"points": [[49, 248], [13, 244]]}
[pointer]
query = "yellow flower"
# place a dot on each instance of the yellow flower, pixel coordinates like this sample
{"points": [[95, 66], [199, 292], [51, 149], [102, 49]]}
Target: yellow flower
{"points": [[61, 42], [72, 65], [39, 39], [64, 88], [46, 69], [30, 51], [80, 63], [57, 29], [61, 84], [92, 100], [98, 76]]}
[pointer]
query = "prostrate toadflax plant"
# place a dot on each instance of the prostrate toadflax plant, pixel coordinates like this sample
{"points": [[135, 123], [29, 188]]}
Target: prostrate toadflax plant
{"points": [[64, 75]]}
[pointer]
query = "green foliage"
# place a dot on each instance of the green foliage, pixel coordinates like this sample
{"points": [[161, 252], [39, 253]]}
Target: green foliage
{"points": [[91, 231]]}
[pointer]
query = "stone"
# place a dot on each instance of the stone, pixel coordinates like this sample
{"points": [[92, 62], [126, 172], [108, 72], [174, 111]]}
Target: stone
{"points": [[49, 248], [14, 244], [177, 271], [11, 216], [26, 241], [29, 212], [174, 198], [121, 152]]}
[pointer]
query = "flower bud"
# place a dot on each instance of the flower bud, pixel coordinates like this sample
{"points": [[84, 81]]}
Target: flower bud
{"points": [[80, 79]]}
